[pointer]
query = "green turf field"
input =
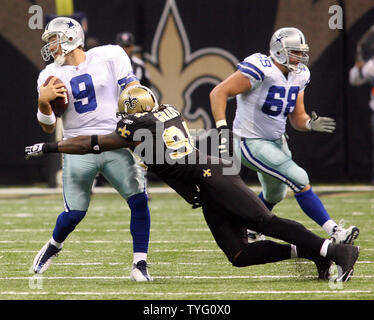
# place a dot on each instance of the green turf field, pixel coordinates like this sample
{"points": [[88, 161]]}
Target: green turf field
{"points": [[184, 260]]}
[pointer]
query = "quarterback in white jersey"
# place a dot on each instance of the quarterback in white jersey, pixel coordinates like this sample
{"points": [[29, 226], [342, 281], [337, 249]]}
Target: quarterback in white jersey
{"points": [[93, 88], [269, 90], [93, 81]]}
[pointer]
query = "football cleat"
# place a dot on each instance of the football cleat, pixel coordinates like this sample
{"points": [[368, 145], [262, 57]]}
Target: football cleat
{"points": [[254, 236], [139, 272], [323, 267], [345, 236], [44, 257], [323, 264], [345, 258]]}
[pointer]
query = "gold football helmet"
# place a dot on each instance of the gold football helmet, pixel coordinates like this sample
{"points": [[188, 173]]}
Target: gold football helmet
{"points": [[136, 99]]}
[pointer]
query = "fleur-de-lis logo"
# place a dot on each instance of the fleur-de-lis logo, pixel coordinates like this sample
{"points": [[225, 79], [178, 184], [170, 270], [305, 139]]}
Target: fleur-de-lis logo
{"points": [[130, 103], [207, 173], [177, 73], [124, 132]]}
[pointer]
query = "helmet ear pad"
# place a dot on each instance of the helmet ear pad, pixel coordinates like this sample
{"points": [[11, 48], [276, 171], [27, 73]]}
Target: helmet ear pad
{"points": [[279, 53]]}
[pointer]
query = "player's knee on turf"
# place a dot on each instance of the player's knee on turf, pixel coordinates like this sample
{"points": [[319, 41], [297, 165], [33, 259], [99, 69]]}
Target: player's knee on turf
{"points": [[236, 261]]}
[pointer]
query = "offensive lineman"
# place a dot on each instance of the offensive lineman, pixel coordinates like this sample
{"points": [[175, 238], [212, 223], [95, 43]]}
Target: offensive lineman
{"points": [[94, 80], [201, 182], [268, 90]]}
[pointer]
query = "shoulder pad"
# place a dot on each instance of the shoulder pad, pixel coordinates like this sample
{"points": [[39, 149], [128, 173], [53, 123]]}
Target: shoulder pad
{"points": [[255, 66]]}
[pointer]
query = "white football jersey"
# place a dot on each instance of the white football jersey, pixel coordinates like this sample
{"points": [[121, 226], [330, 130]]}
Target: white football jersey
{"points": [[262, 111], [93, 88]]}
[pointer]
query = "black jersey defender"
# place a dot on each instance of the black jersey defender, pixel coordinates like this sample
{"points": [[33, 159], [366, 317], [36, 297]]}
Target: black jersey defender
{"points": [[229, 206]]}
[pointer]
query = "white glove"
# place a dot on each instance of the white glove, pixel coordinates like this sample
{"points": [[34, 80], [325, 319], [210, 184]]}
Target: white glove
{"points": [[321, 124], [34, 150]]}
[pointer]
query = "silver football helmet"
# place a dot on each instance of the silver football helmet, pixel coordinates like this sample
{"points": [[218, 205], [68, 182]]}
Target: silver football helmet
{"points": [[69, 36], [283, 45]]}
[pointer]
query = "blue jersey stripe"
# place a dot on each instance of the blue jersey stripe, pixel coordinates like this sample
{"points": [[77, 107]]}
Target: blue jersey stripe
{"points": [[266, 169], [126, 80], [252, 66], [247, 71]]}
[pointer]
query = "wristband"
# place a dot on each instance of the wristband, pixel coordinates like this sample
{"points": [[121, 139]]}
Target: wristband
{"points": [[43, 118], [221, 123], [95, 145], [50, 147]]}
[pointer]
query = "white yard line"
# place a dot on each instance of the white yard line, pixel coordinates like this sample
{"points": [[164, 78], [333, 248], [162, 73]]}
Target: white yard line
{"points": [[172, 277], [250, 292], [110, 190]]}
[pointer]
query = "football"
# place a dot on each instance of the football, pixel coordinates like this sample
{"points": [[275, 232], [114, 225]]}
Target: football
{"points": [[59, 105]]}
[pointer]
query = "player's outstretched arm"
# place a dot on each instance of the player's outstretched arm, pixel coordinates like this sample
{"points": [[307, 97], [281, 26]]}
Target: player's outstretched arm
{"points": [[298, 117], [80, 145], [231, 86], [301, 121]]}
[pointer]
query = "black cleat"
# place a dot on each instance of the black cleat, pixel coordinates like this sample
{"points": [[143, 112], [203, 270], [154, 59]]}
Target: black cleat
{"points": [[345, 256], [323, 268]]}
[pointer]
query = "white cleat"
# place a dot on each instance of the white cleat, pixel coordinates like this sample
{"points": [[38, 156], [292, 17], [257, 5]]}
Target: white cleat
{"points": [[345, 236], [139, 272], [254, 236], [44, 257]]}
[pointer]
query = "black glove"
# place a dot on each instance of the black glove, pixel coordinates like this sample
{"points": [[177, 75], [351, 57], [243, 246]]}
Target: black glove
{"points": [[34, 150], [225, 142], [39, 149]]}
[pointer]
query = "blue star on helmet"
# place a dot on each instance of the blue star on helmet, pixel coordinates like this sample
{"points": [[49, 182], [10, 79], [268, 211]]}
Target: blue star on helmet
{"points": [[70, 24], [279, 38]]}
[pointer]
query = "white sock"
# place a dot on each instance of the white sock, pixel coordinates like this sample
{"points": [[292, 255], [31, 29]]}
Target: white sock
{"points": [[138, 256], [324, 248], [293, 252], [329, 226], [58, 245]]}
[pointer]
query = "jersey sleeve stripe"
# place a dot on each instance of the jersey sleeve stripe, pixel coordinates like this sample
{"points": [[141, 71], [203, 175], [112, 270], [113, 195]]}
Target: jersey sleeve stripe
{"points": [[246, 153], [250, 72], [253, 67], [126, 80]]}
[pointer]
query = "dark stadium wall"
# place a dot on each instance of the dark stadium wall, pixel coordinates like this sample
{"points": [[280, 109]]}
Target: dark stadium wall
{"points": [[190, 46], [357, 121]]}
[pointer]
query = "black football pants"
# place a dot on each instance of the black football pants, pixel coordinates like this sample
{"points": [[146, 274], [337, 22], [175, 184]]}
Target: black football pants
{"points": [[230, 208]]}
